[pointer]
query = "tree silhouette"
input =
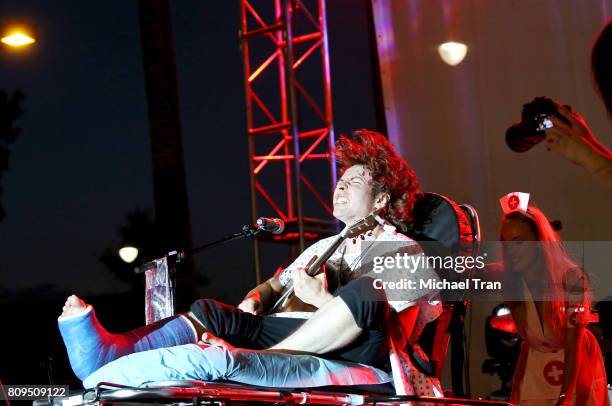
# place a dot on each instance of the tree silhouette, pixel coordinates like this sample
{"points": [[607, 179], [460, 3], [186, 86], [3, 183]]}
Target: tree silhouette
{"points": [[10, 111], [170, 189]]}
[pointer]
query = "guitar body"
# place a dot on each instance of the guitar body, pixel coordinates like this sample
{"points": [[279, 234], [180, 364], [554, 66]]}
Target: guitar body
{"points": [[288, 300], [334, 280]]}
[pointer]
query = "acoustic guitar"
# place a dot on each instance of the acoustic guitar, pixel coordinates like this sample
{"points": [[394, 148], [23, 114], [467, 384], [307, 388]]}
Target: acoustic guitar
{"points": [[288, 301]]}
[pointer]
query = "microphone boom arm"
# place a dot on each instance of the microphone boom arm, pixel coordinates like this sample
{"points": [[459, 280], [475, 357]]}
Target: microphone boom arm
{"points": [[247, 231]]}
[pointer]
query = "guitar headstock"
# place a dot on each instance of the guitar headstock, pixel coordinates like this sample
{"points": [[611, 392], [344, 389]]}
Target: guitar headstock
{"points": [[362, 226]]}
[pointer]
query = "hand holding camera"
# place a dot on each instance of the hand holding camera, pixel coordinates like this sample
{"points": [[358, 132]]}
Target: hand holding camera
{"points": [[535, 120], [575, 140], [565, 132]]}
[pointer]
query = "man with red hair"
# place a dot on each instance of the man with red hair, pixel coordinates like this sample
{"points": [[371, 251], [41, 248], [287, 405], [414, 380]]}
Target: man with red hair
{"points": [[355, 318]]}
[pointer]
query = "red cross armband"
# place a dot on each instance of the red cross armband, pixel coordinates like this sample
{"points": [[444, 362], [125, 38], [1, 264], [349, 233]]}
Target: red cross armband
{"points": [[577, 315], [576, 286]]}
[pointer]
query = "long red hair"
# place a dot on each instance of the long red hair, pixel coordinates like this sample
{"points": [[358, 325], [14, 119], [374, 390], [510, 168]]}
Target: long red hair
{"points": [[390, 173], [557, 265]]}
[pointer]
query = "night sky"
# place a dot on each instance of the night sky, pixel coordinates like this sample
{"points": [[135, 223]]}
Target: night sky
{"points": [[82, 160]]}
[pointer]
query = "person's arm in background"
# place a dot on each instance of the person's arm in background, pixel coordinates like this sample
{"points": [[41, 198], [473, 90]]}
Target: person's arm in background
{"points": [[577, 313], [570, 375], [577, 143]]}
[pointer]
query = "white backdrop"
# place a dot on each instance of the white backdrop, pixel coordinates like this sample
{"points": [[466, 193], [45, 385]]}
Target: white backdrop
{"points": [[449, 122]]}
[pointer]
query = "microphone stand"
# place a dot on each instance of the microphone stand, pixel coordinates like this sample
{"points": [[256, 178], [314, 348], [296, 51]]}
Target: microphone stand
{"points": [[175, 257]]}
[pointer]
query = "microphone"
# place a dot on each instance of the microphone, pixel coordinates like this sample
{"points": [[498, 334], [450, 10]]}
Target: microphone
{"points": [[271, 225]]}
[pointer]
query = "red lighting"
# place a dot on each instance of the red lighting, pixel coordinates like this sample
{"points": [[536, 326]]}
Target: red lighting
{"points": [[295, 236]]}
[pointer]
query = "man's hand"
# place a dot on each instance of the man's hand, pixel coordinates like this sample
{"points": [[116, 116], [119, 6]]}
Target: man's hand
{"points": [[251, 305], [311, 290], [214, 341]]}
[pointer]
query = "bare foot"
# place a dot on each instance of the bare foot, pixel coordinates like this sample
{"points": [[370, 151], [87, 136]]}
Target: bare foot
{"points": [[73, 305], [210, 339]]}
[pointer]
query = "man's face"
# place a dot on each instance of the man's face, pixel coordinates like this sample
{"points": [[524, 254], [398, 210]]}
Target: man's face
{"points": [[353, 196]]}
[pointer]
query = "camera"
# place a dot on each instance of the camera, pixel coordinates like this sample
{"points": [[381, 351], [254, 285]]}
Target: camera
{"points": [[535, 120]]}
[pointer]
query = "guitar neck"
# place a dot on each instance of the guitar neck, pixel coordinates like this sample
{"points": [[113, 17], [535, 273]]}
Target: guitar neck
{"points": [[368, 223], [321, 260]]}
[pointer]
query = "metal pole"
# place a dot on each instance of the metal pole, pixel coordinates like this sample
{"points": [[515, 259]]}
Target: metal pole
{"points": [[288, 7], [244, 45]]}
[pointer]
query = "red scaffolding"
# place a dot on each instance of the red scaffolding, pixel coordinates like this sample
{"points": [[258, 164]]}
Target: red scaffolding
{"points": [[289, 117]]}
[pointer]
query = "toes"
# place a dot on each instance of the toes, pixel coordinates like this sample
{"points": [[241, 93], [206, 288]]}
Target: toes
{"points": [[75, 301], [73, 305]]}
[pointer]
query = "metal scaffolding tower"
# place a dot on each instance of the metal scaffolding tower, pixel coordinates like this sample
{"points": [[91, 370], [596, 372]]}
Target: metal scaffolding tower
{"points": [[289, 117]]}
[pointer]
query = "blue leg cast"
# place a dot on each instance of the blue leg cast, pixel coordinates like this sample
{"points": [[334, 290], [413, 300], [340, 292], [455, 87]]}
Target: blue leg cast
{"points": [[262, 368], [90, 346], [166, 364]]}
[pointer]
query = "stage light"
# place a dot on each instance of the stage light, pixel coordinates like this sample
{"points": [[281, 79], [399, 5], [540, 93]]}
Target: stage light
{"points": [[502, 311], [452, 52], [17, 34], [128, 254], [503, 346]]}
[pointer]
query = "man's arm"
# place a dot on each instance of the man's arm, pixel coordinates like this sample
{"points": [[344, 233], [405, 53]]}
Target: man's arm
{"points": [[260, 298]]}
